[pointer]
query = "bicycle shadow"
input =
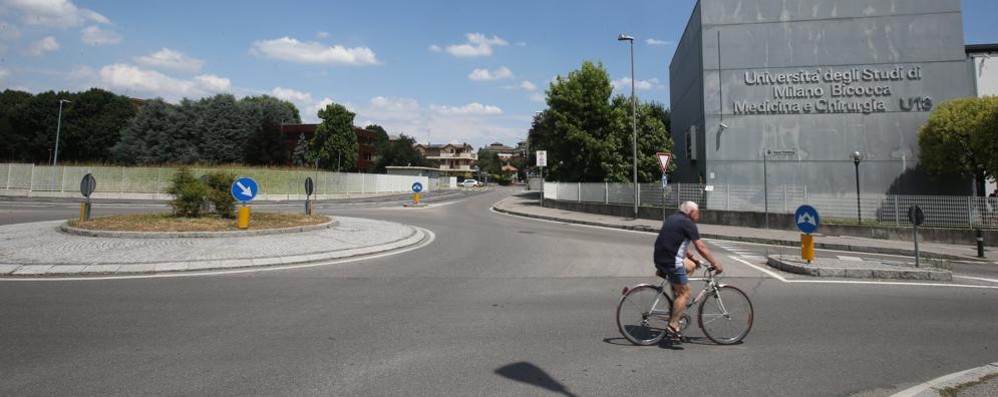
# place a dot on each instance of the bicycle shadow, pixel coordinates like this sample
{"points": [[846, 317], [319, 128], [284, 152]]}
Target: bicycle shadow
{"points": [[666, 343]]}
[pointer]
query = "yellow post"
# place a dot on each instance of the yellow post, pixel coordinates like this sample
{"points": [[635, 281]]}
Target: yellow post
{"points": [[807, 247], [83, 211], [243, 219], [415, 198]]}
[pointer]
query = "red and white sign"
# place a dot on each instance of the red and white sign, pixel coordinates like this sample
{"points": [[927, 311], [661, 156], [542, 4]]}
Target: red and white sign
{"points": [[542, 158], [663, 161]]}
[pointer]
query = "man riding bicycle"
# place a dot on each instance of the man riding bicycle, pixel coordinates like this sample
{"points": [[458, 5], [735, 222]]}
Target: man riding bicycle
{"points": [[675, 261]]}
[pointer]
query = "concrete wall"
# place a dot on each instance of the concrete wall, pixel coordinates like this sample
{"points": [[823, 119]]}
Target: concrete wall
{"points": [[917, 44], [686, 97]]}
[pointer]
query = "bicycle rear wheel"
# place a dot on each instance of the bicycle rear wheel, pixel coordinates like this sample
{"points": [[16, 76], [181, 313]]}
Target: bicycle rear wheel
{"points": [[726, 315], [637, 319]]}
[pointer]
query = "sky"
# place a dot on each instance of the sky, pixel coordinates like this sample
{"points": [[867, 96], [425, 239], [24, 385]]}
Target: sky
{"points": [[439, 71]]}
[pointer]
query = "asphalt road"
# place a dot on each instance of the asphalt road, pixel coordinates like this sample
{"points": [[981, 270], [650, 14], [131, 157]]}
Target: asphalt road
{"points": [[497, 305]]}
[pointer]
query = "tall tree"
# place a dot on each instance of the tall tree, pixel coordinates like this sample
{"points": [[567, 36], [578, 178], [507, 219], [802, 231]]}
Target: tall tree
{"points": [[92, 124], [653, 137], [146, 135], [380, 136], [581, 128], [14, 142], [960, 138], [335, 142], [223, 127], [265, 116], [488, 161]]}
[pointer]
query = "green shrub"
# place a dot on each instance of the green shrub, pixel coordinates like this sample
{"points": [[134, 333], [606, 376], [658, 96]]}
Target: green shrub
{"points": [[219, 195], [189, 194], [501, 180]]}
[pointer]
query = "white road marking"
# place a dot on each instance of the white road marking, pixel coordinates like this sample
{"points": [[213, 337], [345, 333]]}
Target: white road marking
{"points": [[431, 237], [850, 258], [990, 280], [858, 282]]}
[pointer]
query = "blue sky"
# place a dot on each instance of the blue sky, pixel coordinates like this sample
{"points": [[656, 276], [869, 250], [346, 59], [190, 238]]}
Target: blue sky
{"points": [[440, 71]]}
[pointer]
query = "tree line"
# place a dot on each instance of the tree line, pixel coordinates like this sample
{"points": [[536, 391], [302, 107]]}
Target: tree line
{"points": [[98, 126]]}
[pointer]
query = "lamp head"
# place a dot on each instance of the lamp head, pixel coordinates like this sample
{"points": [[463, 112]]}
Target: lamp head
{"points": [[625, 37], [856, 157], [723, 126]]}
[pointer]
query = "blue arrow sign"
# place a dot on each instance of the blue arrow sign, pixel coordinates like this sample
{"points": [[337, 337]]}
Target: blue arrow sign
{"points": [[244, 189], [807, 219], [417, 187]]}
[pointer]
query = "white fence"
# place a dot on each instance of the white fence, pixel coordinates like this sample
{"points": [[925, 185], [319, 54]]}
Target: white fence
{"points": [[151, 182], [882, 209]]}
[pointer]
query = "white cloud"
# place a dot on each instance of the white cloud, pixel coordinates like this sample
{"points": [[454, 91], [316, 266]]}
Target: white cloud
{"points": [[486, 75], [42, 46], [55, 13], [171, 59], [8, 31], [657, 42], [137, 81], [322, 35], [537, 97], [292, 50], [291, 95], [474, 108], [527, 85], [213, 83], [643, 85], [93, 35], [4, 73], [478, 45]]}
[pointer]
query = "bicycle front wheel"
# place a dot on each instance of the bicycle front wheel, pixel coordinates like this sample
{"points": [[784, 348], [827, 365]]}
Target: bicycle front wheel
{"points": [[640, 319], [726, 315]]}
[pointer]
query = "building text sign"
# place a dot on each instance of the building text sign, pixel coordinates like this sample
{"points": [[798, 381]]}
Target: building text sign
{"points": [[864, 90]]}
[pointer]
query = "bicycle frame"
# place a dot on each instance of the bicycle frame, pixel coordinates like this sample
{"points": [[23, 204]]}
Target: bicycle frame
{"points": [[710, 285]]}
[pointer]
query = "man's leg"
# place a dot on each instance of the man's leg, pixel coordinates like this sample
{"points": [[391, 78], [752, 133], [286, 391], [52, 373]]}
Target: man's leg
{"points": [[681, 292]]}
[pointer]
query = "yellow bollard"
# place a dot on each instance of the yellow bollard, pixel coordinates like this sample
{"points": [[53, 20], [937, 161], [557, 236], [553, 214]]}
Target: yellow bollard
{"points": [[243, 219], [415, 198], [807, 247], [83, 212]]}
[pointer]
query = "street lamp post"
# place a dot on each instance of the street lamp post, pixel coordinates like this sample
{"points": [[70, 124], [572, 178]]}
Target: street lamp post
{"points": [[634, 122], [857, 158], [58, 128]]}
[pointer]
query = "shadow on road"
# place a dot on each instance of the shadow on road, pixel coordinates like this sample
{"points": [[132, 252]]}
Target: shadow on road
{"points": [[531, 374]]}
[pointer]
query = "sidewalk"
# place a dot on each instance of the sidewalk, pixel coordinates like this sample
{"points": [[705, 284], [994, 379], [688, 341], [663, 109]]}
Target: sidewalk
{"points": [[526, 204]]}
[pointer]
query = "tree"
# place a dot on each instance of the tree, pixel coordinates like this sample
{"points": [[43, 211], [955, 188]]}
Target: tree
{"points": [[488, 161], [335, 142], [265, 116], [223, 128], [14, 142], [400, 152], [653, 137], [145, 135], [380, 136], [92, 124], [960, 138], [300, 157], [580, 127]]}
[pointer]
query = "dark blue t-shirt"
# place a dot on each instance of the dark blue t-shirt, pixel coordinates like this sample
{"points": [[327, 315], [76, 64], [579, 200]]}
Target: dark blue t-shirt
{"points": [[677, 232]]}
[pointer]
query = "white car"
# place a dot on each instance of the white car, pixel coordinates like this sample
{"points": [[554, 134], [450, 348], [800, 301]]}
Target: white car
{"points": [[469, 183]]}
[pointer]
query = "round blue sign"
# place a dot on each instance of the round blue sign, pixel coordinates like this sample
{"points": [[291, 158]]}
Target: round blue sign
{"points": [[244, 189], [807, 219], [417, 187]]}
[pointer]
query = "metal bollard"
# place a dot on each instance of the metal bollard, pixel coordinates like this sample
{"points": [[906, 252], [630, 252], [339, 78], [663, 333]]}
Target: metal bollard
{"points": [[980, 243]]}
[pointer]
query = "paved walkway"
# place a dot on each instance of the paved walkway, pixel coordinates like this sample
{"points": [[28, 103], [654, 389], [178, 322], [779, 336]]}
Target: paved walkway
{"points": [[39, 249], [526, 204]]}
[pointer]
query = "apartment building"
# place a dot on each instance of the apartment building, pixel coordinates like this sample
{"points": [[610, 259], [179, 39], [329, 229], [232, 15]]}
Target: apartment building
{"points": [[453, 159]]}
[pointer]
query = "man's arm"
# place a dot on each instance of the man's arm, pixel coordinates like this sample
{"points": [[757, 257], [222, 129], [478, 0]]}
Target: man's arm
{"points": [[705, 253]]}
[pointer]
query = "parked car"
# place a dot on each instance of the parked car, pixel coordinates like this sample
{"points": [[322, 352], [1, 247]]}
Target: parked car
{"points": [[469, 183]]}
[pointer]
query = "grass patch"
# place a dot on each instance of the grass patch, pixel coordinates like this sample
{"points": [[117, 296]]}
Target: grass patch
{"points": [[954, 391], [165, 222]]}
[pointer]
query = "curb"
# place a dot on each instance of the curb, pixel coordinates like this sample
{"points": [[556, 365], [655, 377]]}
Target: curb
{"points": [[932, 387], [900, 274], [42, 271], [65, 228], [756, 240]]}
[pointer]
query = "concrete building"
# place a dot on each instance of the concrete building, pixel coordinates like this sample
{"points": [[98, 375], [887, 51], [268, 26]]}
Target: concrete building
{"points": [[453, 159], [784, 91]]}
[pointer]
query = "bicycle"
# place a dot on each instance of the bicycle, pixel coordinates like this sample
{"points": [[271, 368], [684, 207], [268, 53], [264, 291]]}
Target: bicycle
{"points": [[724, 312]]}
